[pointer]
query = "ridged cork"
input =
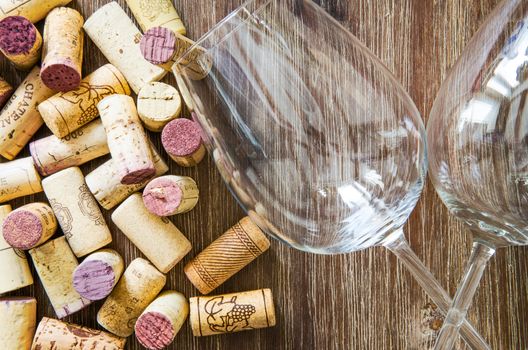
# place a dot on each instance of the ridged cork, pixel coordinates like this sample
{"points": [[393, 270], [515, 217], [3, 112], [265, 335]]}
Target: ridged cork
{"points": [[160, 322], [20, 41], [19, 319], [182, 140], [29, 226], [118, 38], [66, 112], [77, 211], [230, 313], [53, 334], [20, 119], [52, 154], [158, 104], [156, 13], [62, 53], [227, 255], [105, 183], [158, 238], [55, 263], [33, 10], [137, 288], [195, 64], [18, 178], [170, 195], [158, 45]]}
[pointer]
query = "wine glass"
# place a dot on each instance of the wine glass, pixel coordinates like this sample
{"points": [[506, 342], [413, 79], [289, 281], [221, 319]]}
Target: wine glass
{"points": [[313, 135], [478, 146]]}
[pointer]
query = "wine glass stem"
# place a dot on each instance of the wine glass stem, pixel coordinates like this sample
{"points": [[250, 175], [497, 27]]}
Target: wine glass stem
{"points": [[399, 246], [464, 295]]}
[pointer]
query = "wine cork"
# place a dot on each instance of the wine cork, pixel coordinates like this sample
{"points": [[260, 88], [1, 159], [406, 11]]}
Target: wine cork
{"points": [[20, 41], [33, 10], [195, 63], [77, 211], [55, 263], [170, 195], [18, 178], [105, 184], [182, 140], [156, 13], [6, 90], [114, 33], [66, 112], [52, 154], [53, 334], [161, 242], [226, 256], [162, 319], [20, 119], [158, 45], [29, 226], [19, 319], [14, 267], [62, 53], [231, 313], [97, 275], [182, 87], [158, 104], [127, 140], [138, 286]]}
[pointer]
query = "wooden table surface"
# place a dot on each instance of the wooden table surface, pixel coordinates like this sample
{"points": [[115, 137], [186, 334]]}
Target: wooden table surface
{"points": [[365, 300]]}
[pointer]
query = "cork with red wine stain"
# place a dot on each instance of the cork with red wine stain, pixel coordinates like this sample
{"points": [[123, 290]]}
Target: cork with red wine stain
{"points": [[63, 49], [170, 195], [158, 45], [29, 226], [20, 41], [182, 139]]}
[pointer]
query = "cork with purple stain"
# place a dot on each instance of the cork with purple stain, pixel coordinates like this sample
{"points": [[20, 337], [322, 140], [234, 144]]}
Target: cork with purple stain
{"points": [[182, 139], [62, 54], [96, 276], [158, 45], [20, 41], [170, 195], [29, 226]]}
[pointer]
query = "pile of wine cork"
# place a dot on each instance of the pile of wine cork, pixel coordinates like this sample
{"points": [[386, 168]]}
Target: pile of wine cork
{"points": [[112, 112]]}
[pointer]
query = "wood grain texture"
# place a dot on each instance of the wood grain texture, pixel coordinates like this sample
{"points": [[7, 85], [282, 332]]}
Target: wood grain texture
{"points": [[365, 300]]}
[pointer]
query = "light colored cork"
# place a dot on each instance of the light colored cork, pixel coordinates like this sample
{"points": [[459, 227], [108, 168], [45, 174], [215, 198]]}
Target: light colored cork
{"points": [[158, 104], [20, 42], [227, 255], [161, 242], [14, 267], [6, 90], [156, 13], [53, 334], [52, 154], [105, 184], [62, 53], [182, 140], [66, 112], [77, 211], [55, 263], [29, 226], [20, 119], [182, 87], [18, 178], [160, 322], [19, 319], [118, 38], [98, 274], [137, 288], [230, 313], [170, 195], [196, 63], [34, 10], [127, 140]]}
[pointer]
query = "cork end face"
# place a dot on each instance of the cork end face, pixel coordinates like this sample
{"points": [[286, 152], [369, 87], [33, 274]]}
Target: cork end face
{"points": [[138, 176], [158, 45], [22, 229], [154, 330], [94, 279], [162, 197], [181, 137], [17, 35], [61, 77]]}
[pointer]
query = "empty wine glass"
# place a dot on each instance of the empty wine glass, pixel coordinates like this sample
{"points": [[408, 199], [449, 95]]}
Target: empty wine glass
{"points": [[478, 146], [315, 138]]}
